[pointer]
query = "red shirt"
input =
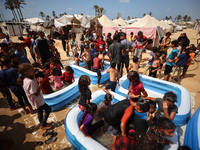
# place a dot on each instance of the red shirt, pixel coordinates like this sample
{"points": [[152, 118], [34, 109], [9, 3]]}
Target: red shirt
{"points": [[51, 66], [47, 71], [97, 46], [96, 63], [67, 77], [124, 143], [28, 41], [136, 89], [101, 45], [46, 87]]}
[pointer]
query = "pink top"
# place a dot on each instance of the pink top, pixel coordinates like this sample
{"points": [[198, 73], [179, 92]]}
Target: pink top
{"points": [[57, 81], [30, 87], [136, 89]]}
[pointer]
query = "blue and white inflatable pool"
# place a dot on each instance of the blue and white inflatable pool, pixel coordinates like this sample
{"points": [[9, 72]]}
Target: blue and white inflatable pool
{"points": [[157, 88], [64, 96], [79, 71], [76, 137], [192, 133]]}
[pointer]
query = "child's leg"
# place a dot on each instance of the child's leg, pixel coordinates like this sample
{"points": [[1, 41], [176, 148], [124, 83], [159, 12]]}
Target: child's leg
{"points": [[174, 71], [179, 72], [96, 126], [7, 96], [150, 73], [59, 62], [99, 75], [154, 74], [40, 114], [47, 109]]}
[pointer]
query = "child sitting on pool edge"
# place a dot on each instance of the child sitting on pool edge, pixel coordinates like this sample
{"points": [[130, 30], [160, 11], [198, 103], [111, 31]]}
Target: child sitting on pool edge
{"points": [[68, 75]]}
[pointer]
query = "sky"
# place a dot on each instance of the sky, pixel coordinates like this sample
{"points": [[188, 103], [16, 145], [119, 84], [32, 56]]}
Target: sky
{"points": [[133, 8]]}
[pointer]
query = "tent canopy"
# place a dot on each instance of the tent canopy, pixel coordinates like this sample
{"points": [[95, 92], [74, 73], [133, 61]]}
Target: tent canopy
{"points": [[84, 20], [133, 20], [34, 20], [120, 22], [106, 22]]}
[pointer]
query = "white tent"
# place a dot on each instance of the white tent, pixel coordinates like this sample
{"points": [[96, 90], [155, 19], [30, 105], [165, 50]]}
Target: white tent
{"points": [[120, 22], [133, 20], [149, 21], [105, 21], [63, 21], [34, 20], [170, 22]]}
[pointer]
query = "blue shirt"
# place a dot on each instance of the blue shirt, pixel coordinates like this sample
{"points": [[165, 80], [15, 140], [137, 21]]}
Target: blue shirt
{"points": [[171, 57], [92, 51], [182, 59], [152, 59], [32, 45], [22, 56]]}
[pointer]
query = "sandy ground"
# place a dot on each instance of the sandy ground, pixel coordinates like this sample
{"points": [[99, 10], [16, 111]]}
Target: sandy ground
{"points": [[24, 129]]}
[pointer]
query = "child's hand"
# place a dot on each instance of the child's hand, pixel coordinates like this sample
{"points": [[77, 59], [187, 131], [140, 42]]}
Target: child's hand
{"points": [[40, 80], [165, 106], [153, 70]]}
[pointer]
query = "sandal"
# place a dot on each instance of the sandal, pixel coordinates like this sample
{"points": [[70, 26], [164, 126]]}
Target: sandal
{"points": [[51, 140], [39, 143], [54, 134], [48, 132]]}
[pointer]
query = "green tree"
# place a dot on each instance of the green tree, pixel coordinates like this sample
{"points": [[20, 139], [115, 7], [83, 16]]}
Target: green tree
{"points": [[54, 14], [189, 18], [101, 12], [170, 17], [185, 18], [17, 4], [47, 17], [179, 17], [10, 5], [166, 18], [96, 9], [128, 18], [42, 14], [150, 13], [144, 15]]}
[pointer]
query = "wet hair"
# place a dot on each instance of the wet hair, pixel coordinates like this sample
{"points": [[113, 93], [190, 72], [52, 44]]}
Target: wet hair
{"points": [[83, 83], [92, 45], [47, 65], [184, 147], [165, 123], [154, 49], [152, 104], [146, 142], [39, 74], [135, 59], [168, 33], [108, 97], [104, 52], [91, 107], [96, 54], [25, 67], [5, 60], [170, 96], [113, 65], [144, 106], [133, 75], [56, 71], [68, 68], [175, 43], [157, 54], [54, 59], [77, 54]]}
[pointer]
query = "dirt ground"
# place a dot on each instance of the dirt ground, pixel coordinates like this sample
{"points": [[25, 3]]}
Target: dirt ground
{"points": [[24, 129]]}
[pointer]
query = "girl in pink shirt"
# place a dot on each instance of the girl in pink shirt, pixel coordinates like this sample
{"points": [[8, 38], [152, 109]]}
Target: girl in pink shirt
{"points": [[56, 77], [136, 87]]}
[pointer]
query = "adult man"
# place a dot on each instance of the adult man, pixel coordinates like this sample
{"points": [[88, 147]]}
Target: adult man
{"points": [[88, 36], [141, 43], [64, 39], [82, 39], [120, 34], [127, 47], [115, 54], [42, 45], [6, 40]]}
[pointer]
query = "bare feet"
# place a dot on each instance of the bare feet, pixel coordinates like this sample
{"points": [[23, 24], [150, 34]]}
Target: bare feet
{"points": [[26, 111], [98, 85], [48, 126]]}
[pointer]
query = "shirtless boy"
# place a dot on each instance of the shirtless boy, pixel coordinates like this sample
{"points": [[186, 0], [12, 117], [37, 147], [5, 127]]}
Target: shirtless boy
{"points": [[163, 59], [155, 66], [87, 57], [101, 56], [134, 65], [77, 59], [114, 78]]}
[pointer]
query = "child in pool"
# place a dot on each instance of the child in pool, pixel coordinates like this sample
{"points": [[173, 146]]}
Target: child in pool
{"points": [[134, 65], [165, 127], [155, 66], [46, 87], [83, 85], [68, 75], [32, 90], [151, 113], [125, 142], [101, 56], [105, 104], [97, 66], [77, 59], [86, 126], [56, 76], [54, 62], [136, 87], [47, 68]]}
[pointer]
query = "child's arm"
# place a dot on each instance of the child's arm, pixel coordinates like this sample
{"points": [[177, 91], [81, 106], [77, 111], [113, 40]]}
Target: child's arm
{"points": [[144, 93], [158, 63], [108, 70], [83, 131], [117, 77], [167, 115], [176, 61], [114, 140], [129, 68], [128, 92], [40, 82]]}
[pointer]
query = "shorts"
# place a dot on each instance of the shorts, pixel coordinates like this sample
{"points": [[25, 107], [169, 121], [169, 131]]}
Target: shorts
{"points": [[125, 60], [168, 69], [185, 68], [161, 65], [138, 53], [111, 85]]}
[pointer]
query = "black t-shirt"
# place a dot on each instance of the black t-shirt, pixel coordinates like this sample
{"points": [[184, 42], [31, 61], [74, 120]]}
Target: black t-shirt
{"points": [[116, 52], [160, 112], [85, 96], [109, 42], [43, 46]]}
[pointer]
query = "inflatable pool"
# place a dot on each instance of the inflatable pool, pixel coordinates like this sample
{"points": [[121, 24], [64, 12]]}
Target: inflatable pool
{"points": [[79, 71], [62, 97], [192, 133], [157, 88], [76, 137]]}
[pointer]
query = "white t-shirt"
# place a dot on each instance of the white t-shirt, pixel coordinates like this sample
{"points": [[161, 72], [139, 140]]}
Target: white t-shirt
{"points": [[6, 41], [30, 87]]}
